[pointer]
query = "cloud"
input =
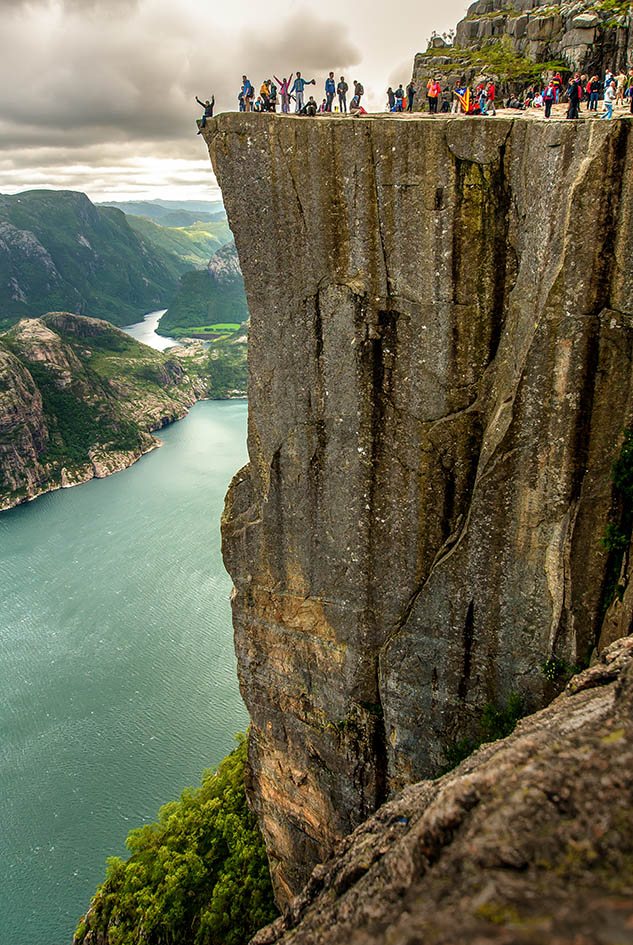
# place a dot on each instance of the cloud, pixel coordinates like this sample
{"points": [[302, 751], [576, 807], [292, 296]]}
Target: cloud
{"points": [[87, 82]]}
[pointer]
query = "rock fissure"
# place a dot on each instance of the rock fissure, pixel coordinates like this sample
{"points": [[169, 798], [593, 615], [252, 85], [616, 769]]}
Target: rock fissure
{"points": [[437, 390]]}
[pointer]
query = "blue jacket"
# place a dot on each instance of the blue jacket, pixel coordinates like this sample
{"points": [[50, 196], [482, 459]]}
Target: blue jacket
{"points": [[330, 87], [300, 84]]}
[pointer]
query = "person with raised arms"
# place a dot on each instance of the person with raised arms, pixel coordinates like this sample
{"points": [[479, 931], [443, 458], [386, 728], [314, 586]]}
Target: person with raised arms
{"points": [[284, 91], [298, 87], [208, 111]]}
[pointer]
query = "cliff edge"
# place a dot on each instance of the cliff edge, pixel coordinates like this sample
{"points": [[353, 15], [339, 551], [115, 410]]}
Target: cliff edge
{"points": [[440, 373]]}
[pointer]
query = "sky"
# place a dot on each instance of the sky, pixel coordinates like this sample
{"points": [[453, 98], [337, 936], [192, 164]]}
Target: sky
{"points": [[99, 95]]}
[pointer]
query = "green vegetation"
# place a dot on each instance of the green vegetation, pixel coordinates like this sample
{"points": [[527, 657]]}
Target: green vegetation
{"points": [[192, 245], [76, 425], [208, 300], [497, 58], [618, 7], [494, 722], [198, 875], [61, 253], [617, 537]]}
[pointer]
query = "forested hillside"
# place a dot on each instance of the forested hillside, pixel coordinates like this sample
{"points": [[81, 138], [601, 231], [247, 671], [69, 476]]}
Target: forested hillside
{"points": [[60, 252]]}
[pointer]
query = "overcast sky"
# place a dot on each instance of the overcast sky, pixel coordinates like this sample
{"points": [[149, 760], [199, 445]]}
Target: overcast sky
{"points": [[98, 95]]}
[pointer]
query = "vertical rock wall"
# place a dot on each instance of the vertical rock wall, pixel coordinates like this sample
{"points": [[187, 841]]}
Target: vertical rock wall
{"points": [[440, 372]]}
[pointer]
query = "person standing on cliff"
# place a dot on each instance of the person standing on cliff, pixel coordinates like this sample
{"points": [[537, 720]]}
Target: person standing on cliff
{"points": [[208, 111], [248, 94], [593, 89], [548, 98], [298, 87], [433, 91], [609, 99], [284, 91], [342, 88], [330, 90], [410, 95], [573, 94], [359, 91]]}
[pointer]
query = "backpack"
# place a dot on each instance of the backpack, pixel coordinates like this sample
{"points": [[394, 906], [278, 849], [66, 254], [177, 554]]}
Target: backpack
{"points": [[359, 89]]}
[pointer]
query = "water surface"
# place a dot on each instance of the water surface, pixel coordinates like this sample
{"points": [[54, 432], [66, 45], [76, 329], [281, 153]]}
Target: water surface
{"points": [[117, 672], [145, 331]]}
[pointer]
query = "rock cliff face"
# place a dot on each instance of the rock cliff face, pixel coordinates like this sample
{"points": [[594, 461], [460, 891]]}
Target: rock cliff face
{"points": [[504, 40], [440, 372], [529, 841]]}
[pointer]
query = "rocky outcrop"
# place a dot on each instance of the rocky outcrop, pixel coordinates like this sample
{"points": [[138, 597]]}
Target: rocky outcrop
{"points": [[529, 841], [440, 372], [501, 40], [78, 399]]}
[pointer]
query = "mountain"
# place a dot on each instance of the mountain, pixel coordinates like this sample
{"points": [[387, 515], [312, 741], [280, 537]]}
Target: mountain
{"points": [[60, 252], [79, 399], [192, 244], [207, 298], [171, 212]]}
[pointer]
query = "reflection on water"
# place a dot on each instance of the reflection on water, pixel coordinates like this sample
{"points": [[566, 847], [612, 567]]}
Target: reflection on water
{"points": [[145, 331]]}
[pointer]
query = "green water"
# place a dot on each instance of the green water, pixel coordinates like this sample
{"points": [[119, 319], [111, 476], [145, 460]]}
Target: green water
{"points": [[117, 672]]}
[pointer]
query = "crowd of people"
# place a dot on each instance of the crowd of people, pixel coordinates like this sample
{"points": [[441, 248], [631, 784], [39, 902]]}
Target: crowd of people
{"points": [[580, 89], [290, 96]]}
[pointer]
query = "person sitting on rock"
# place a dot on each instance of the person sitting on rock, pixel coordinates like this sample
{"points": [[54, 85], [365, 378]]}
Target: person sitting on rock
{"points": [[208, 111], [310, 108]]}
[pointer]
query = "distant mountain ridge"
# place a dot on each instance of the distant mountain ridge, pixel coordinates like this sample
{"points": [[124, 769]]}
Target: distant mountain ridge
{"points": [[171, 212], [58, 251]]}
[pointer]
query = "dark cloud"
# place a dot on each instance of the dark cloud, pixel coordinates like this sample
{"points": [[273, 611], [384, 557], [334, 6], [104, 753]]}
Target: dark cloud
{"points": [[68, 81]]}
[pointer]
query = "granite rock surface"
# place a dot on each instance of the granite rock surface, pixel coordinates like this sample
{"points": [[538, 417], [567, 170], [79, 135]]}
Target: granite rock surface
{"points": [[440, 360], [530, 840]]}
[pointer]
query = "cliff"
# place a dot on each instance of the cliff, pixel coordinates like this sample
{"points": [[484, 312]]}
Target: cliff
{"points": [[440, 373], [529, 841], [518, 42], [79, 399]]}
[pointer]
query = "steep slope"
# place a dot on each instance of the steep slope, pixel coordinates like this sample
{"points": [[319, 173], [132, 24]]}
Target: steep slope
{"points": [[78, 399], [439, 380], [211, 296], [60, 252], [529, 841]]}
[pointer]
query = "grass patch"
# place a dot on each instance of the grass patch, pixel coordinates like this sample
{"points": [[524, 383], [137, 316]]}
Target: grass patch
{"points": [[496, 58]]}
